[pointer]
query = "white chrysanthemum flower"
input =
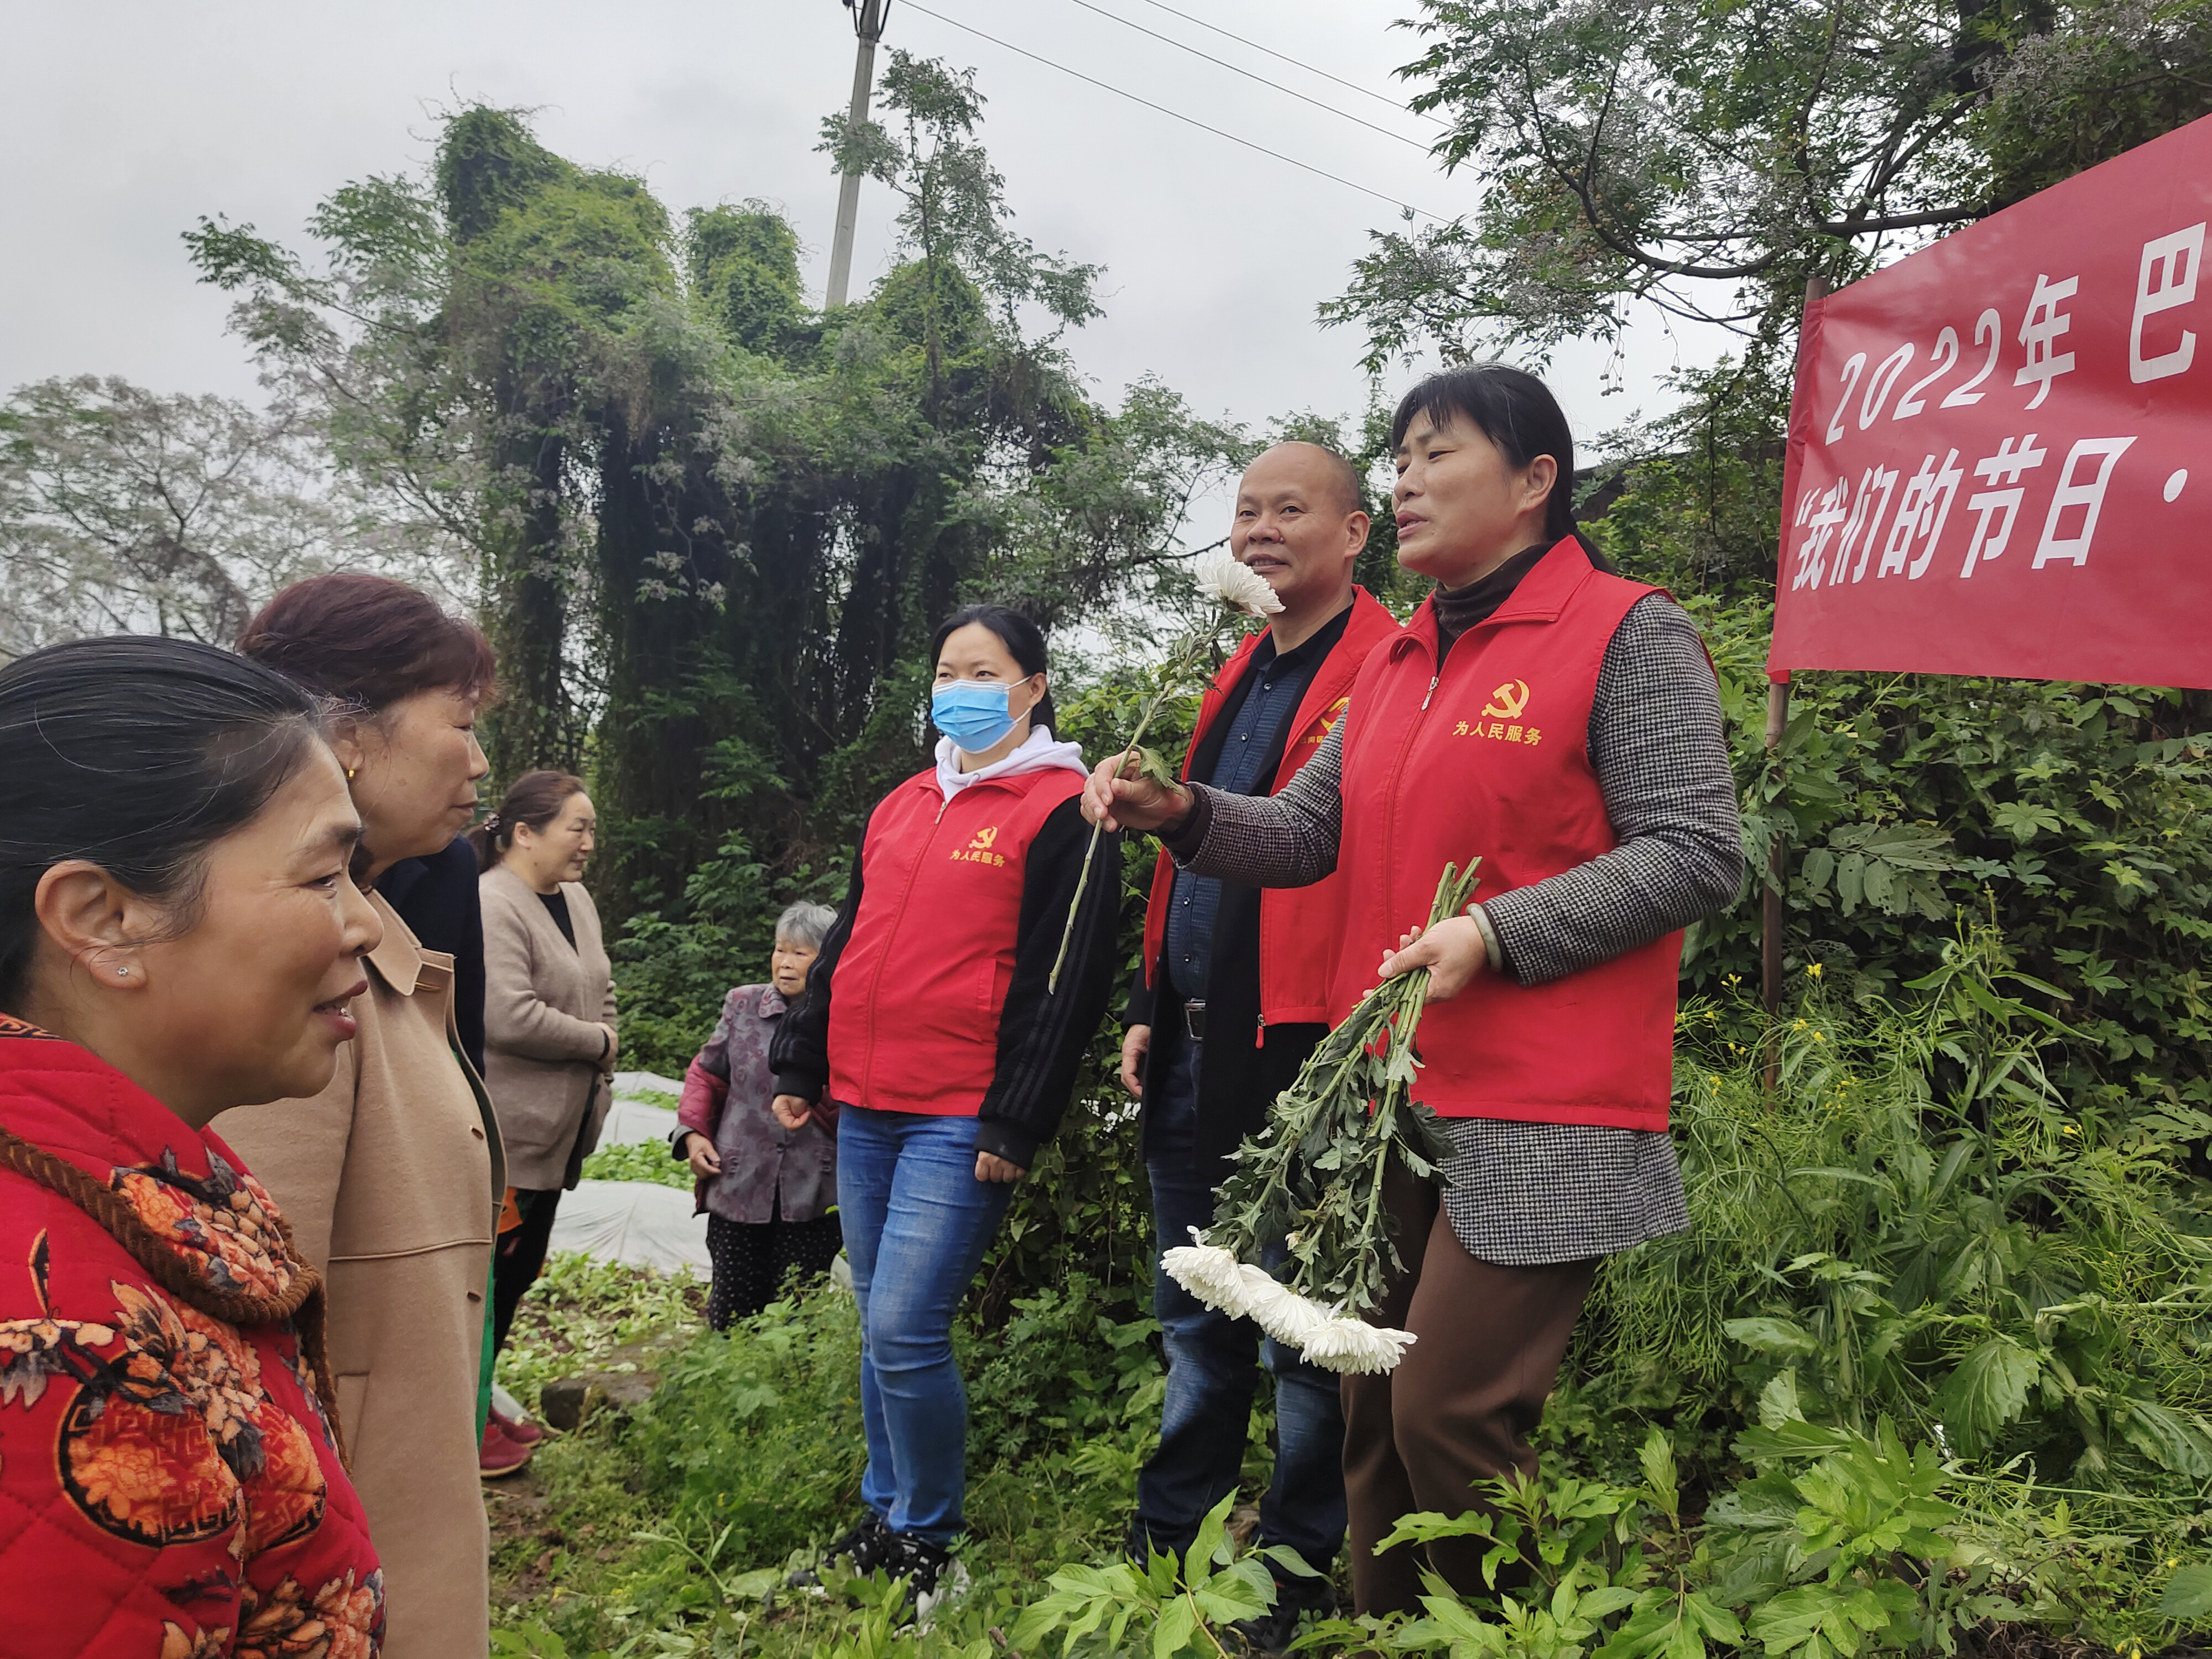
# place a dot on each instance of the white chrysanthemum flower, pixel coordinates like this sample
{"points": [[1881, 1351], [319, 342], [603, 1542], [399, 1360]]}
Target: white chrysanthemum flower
{"points": [[1324, 1335], [1238, 586], [1210, 1273], [1355, 1345]]}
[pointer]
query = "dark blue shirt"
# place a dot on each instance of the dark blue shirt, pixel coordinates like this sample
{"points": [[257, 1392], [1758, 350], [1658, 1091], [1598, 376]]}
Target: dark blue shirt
{"points": [[1266, 696]]}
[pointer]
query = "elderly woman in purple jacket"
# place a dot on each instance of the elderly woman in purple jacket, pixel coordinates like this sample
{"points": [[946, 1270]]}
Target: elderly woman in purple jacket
{"points": [[769, 1193]]}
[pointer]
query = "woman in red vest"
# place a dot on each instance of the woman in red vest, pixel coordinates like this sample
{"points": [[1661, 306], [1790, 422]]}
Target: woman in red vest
{"points": [[178, 934], [928, 1020], [1562, 724]]}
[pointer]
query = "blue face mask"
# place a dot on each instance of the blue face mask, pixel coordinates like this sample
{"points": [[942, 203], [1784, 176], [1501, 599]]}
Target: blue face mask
{"points": [[974, 713]]}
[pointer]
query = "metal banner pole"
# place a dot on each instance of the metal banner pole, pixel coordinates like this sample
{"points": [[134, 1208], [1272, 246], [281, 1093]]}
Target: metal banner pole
{"points": [[1769, 909]]}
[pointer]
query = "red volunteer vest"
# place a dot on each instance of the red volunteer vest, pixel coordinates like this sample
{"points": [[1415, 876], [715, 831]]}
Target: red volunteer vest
{"points": [[915, 1003], [1487, 757], [1297, 925]]}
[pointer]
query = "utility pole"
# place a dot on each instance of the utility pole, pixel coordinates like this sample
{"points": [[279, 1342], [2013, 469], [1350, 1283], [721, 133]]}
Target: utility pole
{"points": [[868, 26]]}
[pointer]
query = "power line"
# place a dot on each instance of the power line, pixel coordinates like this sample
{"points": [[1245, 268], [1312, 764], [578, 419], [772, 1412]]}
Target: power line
{"points": [[1162, 109], [1352, 86], [1234, 68]]}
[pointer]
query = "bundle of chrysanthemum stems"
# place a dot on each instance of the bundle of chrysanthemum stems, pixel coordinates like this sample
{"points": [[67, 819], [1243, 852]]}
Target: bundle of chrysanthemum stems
{"points": [[1312, 1178]]}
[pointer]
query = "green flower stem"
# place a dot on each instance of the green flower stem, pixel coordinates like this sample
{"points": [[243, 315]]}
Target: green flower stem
{"points": [[1316, 1173], [1193, 643]]}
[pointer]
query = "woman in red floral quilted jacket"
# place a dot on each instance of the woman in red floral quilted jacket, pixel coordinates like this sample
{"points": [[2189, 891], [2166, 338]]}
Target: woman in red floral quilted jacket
{"points": [[178, 935]]}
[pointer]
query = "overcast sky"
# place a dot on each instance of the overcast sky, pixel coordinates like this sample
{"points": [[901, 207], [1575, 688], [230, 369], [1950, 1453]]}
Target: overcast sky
{"points": [[125, 121]]}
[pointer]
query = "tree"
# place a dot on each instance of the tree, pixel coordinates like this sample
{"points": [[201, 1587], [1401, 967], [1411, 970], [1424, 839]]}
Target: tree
{"points": [[122, 509], [1708, 159], [444, 377], [712, 527], [954, 215]]}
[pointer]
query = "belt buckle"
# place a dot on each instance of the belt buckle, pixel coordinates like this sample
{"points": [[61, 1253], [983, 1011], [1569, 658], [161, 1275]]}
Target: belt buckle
{"points": [[1194, 1020]]}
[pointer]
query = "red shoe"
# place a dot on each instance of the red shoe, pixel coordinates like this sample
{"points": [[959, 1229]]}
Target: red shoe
{"points": [[499, 1455], [523, 1434]]}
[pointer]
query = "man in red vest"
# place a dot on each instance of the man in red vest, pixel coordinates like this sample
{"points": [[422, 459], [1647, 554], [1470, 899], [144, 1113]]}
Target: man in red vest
{"points": [[1231, 1001]]}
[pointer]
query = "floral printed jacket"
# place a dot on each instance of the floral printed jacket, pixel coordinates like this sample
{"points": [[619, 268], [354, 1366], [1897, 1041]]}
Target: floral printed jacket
{"points": [[170, 1485], [767, 1170]]}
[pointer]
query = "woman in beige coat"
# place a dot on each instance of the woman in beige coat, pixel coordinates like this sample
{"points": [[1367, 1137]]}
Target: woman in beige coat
{"points": [[549, 1012], [391, 1176]]}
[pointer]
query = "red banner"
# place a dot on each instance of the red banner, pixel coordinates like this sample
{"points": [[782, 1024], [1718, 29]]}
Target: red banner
{"points": [[2000, 454]]}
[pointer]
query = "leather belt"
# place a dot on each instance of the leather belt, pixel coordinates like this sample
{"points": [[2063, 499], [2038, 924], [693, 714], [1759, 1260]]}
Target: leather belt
{"points": [[1194, 1020]]}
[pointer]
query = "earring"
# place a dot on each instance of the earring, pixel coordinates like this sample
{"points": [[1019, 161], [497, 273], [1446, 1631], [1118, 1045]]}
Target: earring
{"points": [[122, 973], [348, 774]]}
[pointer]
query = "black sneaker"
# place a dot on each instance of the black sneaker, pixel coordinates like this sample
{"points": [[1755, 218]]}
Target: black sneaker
{"points": [[933, 1573], [1269, 1636], [864, 1545]]}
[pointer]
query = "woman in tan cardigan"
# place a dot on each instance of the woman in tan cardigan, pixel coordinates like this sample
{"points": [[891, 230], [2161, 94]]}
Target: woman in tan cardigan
{"points": [[391, 1176], [549, 1012]]}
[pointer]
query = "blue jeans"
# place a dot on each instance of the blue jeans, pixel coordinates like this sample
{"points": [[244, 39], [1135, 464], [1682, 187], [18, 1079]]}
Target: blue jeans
{"points": [[1212, 1368], [916, 1224]]}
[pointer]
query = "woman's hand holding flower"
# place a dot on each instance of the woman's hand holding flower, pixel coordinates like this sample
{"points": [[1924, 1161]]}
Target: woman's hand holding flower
{"points": [[1119, 797], [1452, 951]]}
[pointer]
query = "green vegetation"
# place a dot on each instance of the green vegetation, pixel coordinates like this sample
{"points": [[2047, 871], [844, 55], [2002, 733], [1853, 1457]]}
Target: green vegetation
{"points": [[1929, 1373], [1929, 1362], [711, 527], [1708, 159], [637, 1160], [671, 1529]]}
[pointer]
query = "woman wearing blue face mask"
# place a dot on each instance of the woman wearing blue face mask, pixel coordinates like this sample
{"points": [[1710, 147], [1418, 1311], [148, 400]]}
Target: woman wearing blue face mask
{"points": [[928, 1021]]}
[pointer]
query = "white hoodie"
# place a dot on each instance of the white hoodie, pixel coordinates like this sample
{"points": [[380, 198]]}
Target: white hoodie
{"points": [[1038, 752]]}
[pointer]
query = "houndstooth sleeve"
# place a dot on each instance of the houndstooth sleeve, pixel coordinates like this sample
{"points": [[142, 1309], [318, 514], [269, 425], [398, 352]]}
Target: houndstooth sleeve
{"points": [[1656, 742], [1662, 761], [1285, 840]]}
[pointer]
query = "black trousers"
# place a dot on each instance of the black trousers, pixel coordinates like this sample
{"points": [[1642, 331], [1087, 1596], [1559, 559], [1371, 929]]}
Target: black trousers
{"points": [[521, 1257], [752, 1260]]}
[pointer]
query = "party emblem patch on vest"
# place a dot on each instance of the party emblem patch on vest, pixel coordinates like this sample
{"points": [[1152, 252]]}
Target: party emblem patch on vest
{"points": [[1325, 722], [1507, 702], [978, 851]]}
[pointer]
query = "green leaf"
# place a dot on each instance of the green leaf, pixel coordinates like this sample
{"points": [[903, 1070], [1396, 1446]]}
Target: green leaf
{"points": [[1883, 890], [2168, 1439], [1656, 1457], [2023, 821], [1153, 765], [2188, 1594], [1819, 864], [1244, 1590], [1818, 1616], [1770, 1335], [1793, 1438], [1178, 1623], [1212, 1544], [1778, 1400], [1988, 1389], [1851, 872], [1716, 1621], [1288, 1559]]}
